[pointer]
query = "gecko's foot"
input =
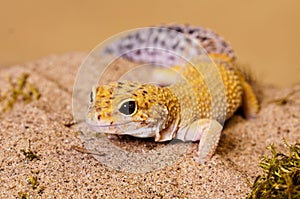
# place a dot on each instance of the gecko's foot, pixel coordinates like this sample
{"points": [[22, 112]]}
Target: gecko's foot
{"points": [[209, 141], [114, 136], [208, 131]]}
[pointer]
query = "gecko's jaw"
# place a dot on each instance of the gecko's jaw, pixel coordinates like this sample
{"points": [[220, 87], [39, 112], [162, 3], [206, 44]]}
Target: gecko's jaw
{"points": [[108, 126], [99, 129], [100, 125], [133, 128]]}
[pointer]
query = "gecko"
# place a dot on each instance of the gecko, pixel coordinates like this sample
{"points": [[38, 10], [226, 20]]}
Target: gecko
{"points": [[169, 112]]}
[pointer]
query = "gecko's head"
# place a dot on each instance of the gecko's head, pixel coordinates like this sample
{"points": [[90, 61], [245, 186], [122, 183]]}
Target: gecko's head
{"points": [[131, 108]]}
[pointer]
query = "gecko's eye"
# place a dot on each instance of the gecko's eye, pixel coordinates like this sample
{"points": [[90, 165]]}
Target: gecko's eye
{"points": [[93, 93], [92, 97], [128, 107]]}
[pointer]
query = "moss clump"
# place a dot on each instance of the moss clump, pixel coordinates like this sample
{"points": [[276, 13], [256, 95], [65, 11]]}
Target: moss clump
{"points": [[284, 100], [20, 89], [41, 191], [23, 195], [281, 175], [33, 181], [29, 154]]}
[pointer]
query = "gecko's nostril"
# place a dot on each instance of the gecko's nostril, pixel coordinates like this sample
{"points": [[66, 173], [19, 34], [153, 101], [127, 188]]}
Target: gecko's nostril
{"points": [[99, 117]]}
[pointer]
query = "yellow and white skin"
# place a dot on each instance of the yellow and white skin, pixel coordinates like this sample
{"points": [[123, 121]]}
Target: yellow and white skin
{"points": [[169, 112]]}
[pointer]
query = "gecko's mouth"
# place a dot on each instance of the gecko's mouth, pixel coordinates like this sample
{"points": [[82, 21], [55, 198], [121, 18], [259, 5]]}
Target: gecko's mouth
{"points": [[107, 127], [133, 128]]}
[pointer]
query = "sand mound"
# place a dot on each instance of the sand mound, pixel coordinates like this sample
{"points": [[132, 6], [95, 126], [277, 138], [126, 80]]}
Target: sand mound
{"points": [[62, 172]]}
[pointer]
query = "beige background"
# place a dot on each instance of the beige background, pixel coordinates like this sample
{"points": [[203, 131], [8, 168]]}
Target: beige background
{"points": [[265, 34]]}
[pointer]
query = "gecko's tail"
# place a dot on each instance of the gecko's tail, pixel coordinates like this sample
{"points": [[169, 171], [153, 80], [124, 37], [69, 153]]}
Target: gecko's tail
{"points": [[248, 75], [250, 101]]}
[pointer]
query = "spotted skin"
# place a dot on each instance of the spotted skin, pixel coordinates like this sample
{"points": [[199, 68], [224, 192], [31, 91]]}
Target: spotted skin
{"points": [[173, 111], [150, 99], [144, 45], [168, 112]]}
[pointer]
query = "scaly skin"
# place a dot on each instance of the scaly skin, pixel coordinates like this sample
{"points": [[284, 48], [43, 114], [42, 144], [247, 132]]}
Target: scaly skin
{"points": [[147, 110], [143, 45]]}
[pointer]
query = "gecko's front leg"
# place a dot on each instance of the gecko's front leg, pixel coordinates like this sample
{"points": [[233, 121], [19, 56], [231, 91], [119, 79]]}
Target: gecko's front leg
{"points": [[208, 131]]}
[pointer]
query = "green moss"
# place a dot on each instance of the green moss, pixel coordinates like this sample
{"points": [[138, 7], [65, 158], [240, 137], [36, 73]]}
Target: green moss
{"points": [[23, 195], [20, 89], [29, 154], [32, 180], [41, 190], [284, 100], [77, 133], [281, 175]]}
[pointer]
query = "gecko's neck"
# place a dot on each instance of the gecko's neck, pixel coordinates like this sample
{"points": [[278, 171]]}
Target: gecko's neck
{"points": [[170, 101]]}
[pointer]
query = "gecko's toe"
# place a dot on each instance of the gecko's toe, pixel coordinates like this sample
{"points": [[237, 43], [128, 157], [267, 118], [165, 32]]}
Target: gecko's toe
{"points": [[201, 160]]}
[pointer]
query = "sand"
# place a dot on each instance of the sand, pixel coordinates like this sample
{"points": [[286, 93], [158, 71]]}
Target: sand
{"points": [[63, 172]]}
